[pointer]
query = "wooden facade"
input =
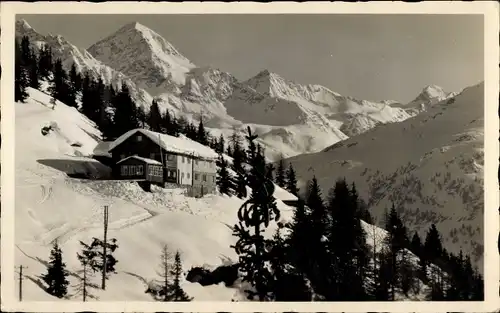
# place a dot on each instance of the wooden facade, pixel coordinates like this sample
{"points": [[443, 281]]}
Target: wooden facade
{"points": [[140, 169], [177, 168]]}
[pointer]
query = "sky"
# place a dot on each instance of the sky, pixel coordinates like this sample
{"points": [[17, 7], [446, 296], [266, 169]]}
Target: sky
{"points": [[370, 57]]}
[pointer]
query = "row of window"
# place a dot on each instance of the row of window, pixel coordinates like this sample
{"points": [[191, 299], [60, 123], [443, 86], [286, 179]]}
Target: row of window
{"points": [[129, 170], [138, 170], [155, 171]]}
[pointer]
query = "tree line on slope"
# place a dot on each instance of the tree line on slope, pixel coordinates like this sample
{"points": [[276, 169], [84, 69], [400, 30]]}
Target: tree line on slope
{"points": [[323, 253], [110, 107]]}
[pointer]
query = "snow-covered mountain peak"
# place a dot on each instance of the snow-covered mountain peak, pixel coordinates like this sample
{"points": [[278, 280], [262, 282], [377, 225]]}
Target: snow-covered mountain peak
{"points": [[143, 55], [433, 91], [23, 24]]}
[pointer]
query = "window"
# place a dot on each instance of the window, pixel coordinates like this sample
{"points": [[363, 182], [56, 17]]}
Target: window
{"points": [[204, 177], [182, 175], [170, 157], [139, 138], [213, 179], [196, 162], [183, 160], [140, 170], [174, 173], [188, 175], [189, 160], [196, 176], [124, 170], [131, 170]]}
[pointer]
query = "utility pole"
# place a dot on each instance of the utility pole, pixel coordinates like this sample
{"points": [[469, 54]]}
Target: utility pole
{"points": [[21, 278], [105, 244], [84, 281]]}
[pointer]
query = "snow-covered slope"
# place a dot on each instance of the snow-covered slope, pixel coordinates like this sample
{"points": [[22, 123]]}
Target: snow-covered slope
{"points": [[52, 206], [430, 166]]}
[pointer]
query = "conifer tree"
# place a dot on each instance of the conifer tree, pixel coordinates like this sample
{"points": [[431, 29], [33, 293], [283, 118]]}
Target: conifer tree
{"points": [[280, 173], [164, 272], [433, 247], [221, 144], [177, 293], [291, 180], [33, 72], [141, 116], [416, 245], [21, 80], [224, 181], [254, 217], [318, 219], [92, 255], [75, 79], [347, 245], [126, 113], [26, 52], [56, 277], [155, 118], [59, 88], [270, 171], [201, 134], [239, 158], [45, 63]]}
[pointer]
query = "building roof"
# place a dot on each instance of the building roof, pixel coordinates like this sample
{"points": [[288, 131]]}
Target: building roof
{"points": [[181, 144], [145, 160], [102, 149]]}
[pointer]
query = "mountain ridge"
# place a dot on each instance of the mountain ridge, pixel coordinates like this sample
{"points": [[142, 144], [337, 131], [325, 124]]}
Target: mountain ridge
{"points": [[290, 118]]}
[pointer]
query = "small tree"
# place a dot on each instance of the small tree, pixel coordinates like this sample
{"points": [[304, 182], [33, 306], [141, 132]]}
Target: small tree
{"points": [[177, 293], [291, 180], [224, 181], [93, 256], [56, 274], [280, 173], [164, 272], [254, 216], [83, 284]]}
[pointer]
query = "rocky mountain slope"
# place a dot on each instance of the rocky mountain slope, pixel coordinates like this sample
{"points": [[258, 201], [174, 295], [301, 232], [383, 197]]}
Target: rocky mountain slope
{"points": [[290, 118], [430, 166]]}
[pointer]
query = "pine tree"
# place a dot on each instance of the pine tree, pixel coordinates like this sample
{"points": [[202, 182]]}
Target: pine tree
{"points": [[177, 293], [59, 88], [56, 277], [164, 273], [75, 79], [270, 171], [291, 181], [220, 146], [141, 116], [254, 217], [26, 52], [318, 219], [45, 63], [92, 255], [224, 179], [239, 158], [433, 247], [126, 113], [416, 245], [155, 119], [280, 173], [33, 72], [21, 80], [201, 134], [347, 246]]}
